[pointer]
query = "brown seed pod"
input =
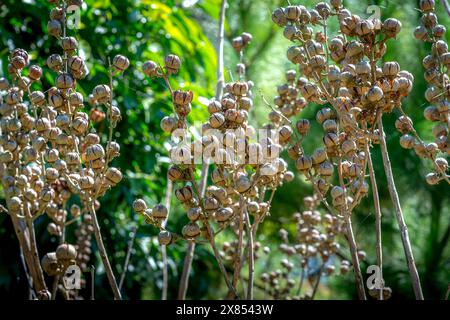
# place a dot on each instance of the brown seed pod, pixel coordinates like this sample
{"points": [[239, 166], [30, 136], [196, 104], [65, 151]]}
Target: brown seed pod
{"points": [[391, 27], [184, 194], [194, 213], [165, 237], [303, 126], [121, 63], [159, 212], [35, 73], [223, 214], [210, 204], [172, 63], [66, 252], [303, 163], [65, 81], [102, 93], [168, 124], [182, 98], [150, 68], [217, 120], [243, 184], [191, 230], [50, 264], [139, 206], [113, 175]]}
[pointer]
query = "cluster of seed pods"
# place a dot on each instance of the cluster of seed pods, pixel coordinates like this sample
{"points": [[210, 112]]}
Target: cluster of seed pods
{"points": [[344, 76], [312, 250], [437, 66], [50, 151], [225, 142], [340, 72], [243, 166]]}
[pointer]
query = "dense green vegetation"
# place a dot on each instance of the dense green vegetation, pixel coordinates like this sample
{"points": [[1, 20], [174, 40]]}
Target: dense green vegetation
{"points": [[149, 29]]}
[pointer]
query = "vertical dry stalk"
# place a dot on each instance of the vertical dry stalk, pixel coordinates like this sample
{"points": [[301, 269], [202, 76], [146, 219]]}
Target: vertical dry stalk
{"points": [[33, 248], [103, 254], [399, 214], [251, 258], [127, 257], [376, 201], [446, 6], [355, 260], [188, 258], [346, 212], [164, 247], [316, 285], [237, 258]]}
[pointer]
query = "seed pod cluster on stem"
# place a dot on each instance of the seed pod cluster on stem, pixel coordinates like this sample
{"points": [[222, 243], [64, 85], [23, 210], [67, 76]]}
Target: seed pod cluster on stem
{"points": [[437, 66], [243, 168], [50, 150], [343, 74], [312, 250]]}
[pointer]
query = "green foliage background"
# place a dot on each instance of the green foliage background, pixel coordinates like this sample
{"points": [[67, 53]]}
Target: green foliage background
{"points": [[148, 29]]}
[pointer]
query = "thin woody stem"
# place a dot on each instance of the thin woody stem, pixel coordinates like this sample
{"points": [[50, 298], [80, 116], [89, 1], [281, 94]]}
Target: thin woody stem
{"points": [[237, 259], [351, 239], [127, 258], [103, 254], [164, 247], [251, 259], [376, 201], [33, 249], [399, 214]]}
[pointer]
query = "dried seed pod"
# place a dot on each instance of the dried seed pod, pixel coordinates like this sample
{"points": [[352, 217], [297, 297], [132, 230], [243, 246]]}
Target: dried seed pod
{"points": [[53, 229], [139, 206], [75, 211], [427, 5], [150, 68], [223, 214], [113, 175], [194, 213], [285, 133], [304, 163], [175, 173], [102, 93], [69, 44], [184, 194], [182, 98], [303, 126], [172, 63], [243, 184], [191, 230], [279, 17], [375, 94], [165, 237], [121, 63], [319, 156], [391, 69], [391, 27], [35, 73], [217, 120], [210, 204], [433, 178], [65, 81], [50, 264], [66, 252], [159, 212], [168, 124], [54, 28], [214, 106], [94, 152]]}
